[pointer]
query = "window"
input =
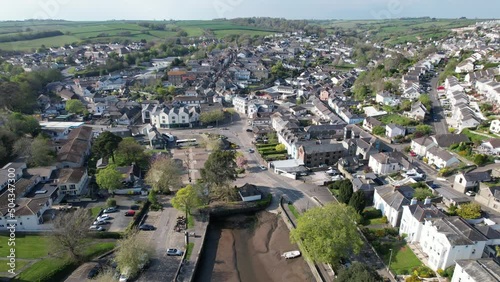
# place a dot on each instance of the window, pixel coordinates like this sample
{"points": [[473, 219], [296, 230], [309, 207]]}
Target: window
{"points": [[72, 186], [460, 181]]}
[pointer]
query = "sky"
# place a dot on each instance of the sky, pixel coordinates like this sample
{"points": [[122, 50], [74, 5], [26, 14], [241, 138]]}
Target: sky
{"points": [[80, 10]]}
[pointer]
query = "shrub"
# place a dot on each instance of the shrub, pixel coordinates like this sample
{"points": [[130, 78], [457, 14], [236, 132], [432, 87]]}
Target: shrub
{"points": [[371, 213], [384, 219], [391, 231], [441, 272], [380, 233], [424, 272], [110, 202]]}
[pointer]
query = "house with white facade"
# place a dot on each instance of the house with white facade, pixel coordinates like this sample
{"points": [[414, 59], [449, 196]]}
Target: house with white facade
{"points": [[390, 201], [417, 112], [491, 146], [495, 126], [240, 104], [476, 270], [448, 239], [163, 116], [393, 130], [465, 66], [72, 181], [385, 98], [414, 215], [384, 164], [370, 122], [420, 146], [469, 181], [441, 158]]}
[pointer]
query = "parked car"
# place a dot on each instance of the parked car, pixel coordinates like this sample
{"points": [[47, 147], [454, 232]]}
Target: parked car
{"points": [[470, 193], [104, 217], [249, 130], [434, 186], [146, 227], [96, 228], [100, 222], [110, 210], [262, 167], [251, 150], [130, 213], [413, 154], [134, 207], [174, 252], [94, 271]]}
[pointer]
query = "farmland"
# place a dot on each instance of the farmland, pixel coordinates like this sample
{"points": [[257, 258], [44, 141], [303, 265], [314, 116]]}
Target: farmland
{"points": [[111, 31]]}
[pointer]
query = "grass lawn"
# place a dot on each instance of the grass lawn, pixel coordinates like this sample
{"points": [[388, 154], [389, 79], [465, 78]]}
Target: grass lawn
{"points": [[294, 211], [397, 119], [403, 259], [43, 269], [189, 250], [98, 249], [19, 265], [95, 211], [375, 221], [27, 246], [190, 221], [475, 137]]}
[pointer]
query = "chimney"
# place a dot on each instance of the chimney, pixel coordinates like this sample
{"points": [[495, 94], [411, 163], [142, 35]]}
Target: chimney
{"points": [[413, 201], [427, 201]]}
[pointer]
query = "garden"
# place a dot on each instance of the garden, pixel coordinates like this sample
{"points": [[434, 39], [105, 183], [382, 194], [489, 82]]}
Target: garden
{"points": [[272, 152], [403, 261], [35, 262]]}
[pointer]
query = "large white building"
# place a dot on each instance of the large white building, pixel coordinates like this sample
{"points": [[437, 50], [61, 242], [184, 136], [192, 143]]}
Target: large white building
{"points": [[481, 270], [414, 215], [162, 116], [446, 240], [390, 201]]}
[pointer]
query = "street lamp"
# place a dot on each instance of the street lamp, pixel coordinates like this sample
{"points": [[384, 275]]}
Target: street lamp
{"points": [[389, 265]]}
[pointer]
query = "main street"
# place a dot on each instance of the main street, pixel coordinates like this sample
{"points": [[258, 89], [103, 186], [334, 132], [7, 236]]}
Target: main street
{"points": [[438, 120]]}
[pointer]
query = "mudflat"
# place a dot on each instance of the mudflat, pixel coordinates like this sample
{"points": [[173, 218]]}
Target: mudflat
{"points": [[249, 249]]}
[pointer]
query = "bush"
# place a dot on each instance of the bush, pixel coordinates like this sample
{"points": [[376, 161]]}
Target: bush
{"points": [[110, 202], [240, 170], [391, 231], [371, 213], [380, 233], [449, 271], [107, 235], [424, 272], [384, 219]]}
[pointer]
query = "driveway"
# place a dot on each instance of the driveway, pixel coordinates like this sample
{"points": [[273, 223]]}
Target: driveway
{"points": [[80, 274]]}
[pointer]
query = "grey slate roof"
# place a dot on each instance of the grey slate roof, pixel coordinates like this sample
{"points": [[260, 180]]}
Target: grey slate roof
{"points": [[458, 231], [483, 270]]}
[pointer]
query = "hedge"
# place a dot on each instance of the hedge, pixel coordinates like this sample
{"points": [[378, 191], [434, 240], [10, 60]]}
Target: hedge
{"points": [[266, 145]]}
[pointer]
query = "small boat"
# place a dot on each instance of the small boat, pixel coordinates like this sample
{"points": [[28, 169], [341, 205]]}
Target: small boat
{"points": [[291, 254]]}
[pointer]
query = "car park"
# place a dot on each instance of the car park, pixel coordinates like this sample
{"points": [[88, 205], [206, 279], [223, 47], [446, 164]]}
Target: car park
{"points": [[110, 210], [130, 213], [146, 227], [174, 252]]}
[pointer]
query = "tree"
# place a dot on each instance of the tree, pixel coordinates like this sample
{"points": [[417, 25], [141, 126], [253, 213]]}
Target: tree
{"points": [[241, 161], [219, 168], [272, 138], [328, 233], [280, 148], [379, 130], [110, 202], [75, 106], [129, 151], [424, 129], [211, 117], [358, 272], [480, 159], [186, 199], [345, 192], [425, 99], [357, 201], [422, 193], [21, 124], [469, 210], [42, 153], [70, 233], [22, 147], [164, 174], [106, 144], [109, 178], [132, 254]]}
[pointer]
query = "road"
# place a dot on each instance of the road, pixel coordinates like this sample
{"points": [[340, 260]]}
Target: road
{"points": [[440, 126]]}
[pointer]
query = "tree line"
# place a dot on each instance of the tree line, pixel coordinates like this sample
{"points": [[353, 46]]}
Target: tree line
{"points": [[30, 36]]}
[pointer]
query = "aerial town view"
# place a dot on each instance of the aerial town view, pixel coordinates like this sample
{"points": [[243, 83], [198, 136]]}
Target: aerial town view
{"points": [[250, 141]]}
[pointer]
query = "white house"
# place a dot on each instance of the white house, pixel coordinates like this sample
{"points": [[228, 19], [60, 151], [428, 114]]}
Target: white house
{"points": [[441, 158], [385, 98], [417, 112], [470, 181], [240, 104], [448, 239], [72, 181], [465, 66], [175, 116], [393, 130], [492, 146], [495, 126], [420, 146], [412, 220], [390, 201], [249, 193], [383, 164], [480, 270], [14, 167]]}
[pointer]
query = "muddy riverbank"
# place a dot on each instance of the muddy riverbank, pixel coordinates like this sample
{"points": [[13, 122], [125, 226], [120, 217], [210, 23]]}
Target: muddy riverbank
{"points": [[248, 248]]}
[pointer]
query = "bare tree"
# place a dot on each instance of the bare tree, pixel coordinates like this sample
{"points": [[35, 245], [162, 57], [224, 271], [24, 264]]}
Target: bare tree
{"points": [[70, 233], [132, 254], [164, 174]]}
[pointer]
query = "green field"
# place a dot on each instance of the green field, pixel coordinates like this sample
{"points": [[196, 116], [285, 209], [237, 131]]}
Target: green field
{"points": [[109, 31], [27, 246]]}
